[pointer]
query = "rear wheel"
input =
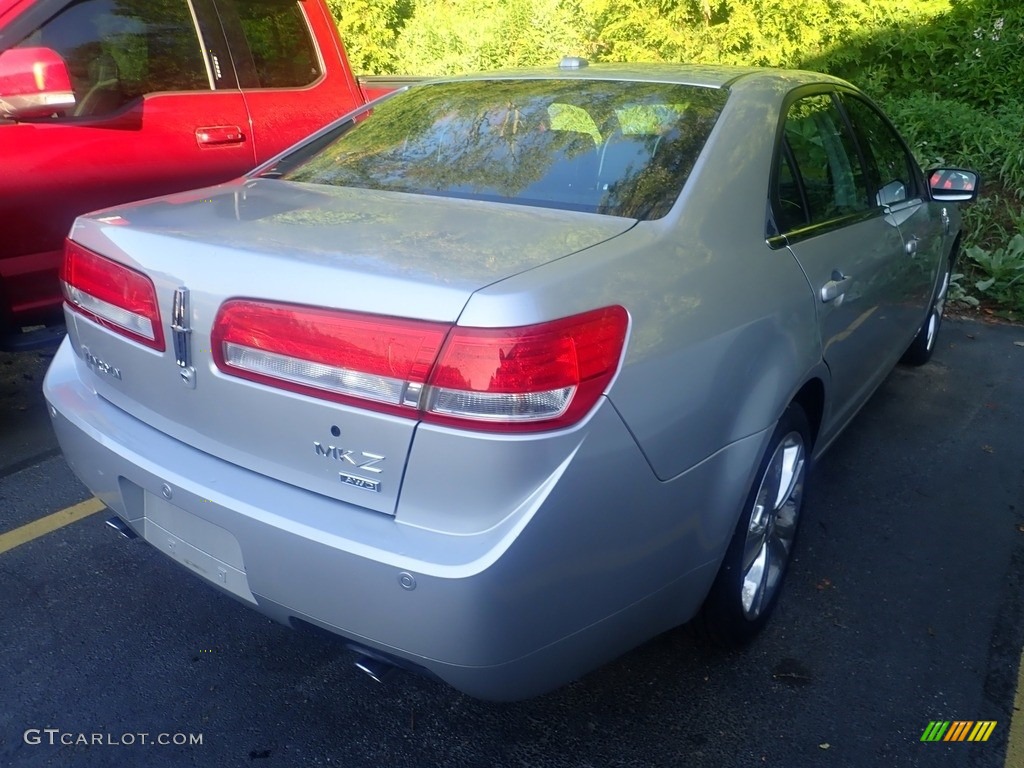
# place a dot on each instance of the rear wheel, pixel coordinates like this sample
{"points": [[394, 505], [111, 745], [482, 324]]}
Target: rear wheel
{"points": [[750, 577], [921, 348]]}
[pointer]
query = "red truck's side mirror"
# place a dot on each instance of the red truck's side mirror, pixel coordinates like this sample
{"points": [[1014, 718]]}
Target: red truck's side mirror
{"points": [[34, 82]]}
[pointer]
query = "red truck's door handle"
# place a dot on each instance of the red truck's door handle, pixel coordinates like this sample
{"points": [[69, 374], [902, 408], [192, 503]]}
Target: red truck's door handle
{"points": [[220, 134]]}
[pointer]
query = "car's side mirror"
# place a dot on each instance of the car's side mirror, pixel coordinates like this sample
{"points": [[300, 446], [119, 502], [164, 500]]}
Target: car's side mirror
{"points": [[34, 82], [953, 185], [892, 193]]}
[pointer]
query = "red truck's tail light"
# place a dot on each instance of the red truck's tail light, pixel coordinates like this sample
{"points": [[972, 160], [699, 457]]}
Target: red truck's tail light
{"points": [[531, 378], [115, 296]]}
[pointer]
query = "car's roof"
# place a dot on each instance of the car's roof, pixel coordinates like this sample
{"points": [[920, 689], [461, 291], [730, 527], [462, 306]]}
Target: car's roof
{"points": [[705, 75]]}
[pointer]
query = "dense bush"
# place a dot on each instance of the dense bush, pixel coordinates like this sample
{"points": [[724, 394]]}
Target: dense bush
{"points": [[952, 81], [444, 37], [746, 32], [946, 71], [370, 29]]}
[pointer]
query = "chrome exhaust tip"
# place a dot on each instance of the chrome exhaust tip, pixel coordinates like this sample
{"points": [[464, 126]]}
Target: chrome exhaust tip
{"points": [[375, 669], [121, 527]]}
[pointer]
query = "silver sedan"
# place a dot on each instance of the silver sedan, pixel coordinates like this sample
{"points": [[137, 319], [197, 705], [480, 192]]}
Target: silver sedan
{"points": [[503, 375]]}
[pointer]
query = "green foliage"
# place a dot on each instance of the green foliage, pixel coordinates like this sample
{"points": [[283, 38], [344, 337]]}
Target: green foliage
{"points": [[1001, 271], [445, 37], [644, 30], [958, 294], [740, 32], [993, 219], [942, 130], [970, 53], [456, 36], [785, 33], [370, 29]]}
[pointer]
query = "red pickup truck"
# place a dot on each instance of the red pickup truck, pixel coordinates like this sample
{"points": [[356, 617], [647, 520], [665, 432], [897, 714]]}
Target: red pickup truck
{"points": [[107, 101]]}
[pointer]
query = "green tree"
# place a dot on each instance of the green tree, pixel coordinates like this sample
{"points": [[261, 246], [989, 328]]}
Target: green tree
{"points": [[742, 32], [646, 30], [370, 29], [446, 37]]}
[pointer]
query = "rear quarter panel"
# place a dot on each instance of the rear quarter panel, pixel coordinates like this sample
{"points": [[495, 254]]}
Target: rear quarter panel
{"points": [[723, 330]]}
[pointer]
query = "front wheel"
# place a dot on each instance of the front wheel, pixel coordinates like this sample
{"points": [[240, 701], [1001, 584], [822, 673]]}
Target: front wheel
{"points": [[750, 577], [921, 348]]}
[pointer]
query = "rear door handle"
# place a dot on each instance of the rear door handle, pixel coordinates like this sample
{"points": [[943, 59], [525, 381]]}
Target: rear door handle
{"points": [[219, 134], [911, 245], [836, 287]]}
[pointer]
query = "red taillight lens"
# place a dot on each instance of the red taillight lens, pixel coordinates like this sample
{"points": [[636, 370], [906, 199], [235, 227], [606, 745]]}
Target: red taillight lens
{"points": [[538, 376], [115, 296], [529, 378], [340, 355]]}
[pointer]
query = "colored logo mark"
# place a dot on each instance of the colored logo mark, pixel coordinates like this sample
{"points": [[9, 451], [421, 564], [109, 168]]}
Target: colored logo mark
{"points": [[958, 730]]}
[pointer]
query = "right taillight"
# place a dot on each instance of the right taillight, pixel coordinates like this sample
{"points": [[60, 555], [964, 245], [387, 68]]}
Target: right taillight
{"points": [[534, 377], [115, 296], [529, 378]]}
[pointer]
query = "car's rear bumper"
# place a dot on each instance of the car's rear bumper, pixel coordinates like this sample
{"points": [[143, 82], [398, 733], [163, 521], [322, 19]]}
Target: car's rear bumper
{"points": [[600, 558]]}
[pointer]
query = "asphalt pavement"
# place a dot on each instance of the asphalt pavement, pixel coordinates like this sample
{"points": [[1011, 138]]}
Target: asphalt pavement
{"points": [[903, 606]]}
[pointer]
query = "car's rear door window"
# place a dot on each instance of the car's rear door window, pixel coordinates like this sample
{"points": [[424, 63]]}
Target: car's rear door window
{"points": [[270, 42], [613, 147], [827, 165]]}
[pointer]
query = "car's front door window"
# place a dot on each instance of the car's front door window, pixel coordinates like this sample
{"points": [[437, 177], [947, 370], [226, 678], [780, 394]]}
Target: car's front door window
{"points": [[891, 165], [119, 50]]}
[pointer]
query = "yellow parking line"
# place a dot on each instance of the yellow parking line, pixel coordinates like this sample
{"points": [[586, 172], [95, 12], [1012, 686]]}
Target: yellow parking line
{"points": [[1015, 741], [45, 525]]}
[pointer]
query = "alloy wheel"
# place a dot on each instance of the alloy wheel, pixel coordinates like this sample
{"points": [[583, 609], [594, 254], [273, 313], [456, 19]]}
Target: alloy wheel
{"points": [[772, 526]]}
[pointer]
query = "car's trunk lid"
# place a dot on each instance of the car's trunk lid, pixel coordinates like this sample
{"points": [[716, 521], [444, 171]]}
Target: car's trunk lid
{"points": [[369, 252]]}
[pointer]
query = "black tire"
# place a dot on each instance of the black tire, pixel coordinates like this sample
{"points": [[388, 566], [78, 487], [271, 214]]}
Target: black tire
{"points": [[921, 348], [750, 577]]}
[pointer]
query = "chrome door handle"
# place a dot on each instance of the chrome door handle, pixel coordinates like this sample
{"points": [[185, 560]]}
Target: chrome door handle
{"points": [[836, 287], [911, 246]]}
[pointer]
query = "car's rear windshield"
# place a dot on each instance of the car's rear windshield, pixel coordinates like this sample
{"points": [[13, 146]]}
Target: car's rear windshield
{"points": [[621, 148]]}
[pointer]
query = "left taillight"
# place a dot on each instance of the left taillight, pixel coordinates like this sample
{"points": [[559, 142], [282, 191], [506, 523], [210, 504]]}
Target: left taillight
{"points": [[343, 356], [115, 296]]}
